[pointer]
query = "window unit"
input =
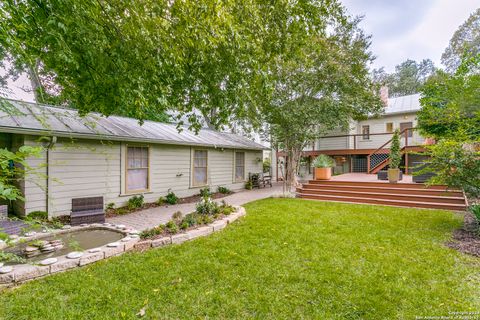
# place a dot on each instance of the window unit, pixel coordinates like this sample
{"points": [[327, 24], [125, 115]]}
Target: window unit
{"points": [[389, 127], [239, 166], [200, 168], [405, 125], [366, 132], [137, 168]]}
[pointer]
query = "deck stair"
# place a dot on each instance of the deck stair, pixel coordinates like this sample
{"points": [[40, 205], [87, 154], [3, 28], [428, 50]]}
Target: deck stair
{"points": [[400, 194]]}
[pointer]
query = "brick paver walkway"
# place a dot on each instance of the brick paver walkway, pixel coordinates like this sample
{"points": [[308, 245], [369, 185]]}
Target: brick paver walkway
{"points": [[149, 218]]}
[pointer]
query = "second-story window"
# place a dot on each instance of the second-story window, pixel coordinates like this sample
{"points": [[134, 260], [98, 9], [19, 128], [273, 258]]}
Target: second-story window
{"points": [[366, 132]]}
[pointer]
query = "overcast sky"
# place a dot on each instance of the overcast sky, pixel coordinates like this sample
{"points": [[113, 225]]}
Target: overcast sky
{"points": [[414, 29], [401, 29]]}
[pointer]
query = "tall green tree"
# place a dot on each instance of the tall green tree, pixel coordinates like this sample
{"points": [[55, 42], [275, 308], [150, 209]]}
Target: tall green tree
{"points": [[320, 80], [451, 114], [408, 78], [465, 41], [141, 58]]}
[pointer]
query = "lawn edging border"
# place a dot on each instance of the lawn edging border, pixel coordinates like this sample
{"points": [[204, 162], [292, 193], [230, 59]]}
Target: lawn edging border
{"points": [[131, 242]]}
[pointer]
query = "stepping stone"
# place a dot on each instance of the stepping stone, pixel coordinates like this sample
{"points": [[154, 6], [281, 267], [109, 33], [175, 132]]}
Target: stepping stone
{"points": [[113, 244], [6, 269], [30, 249], [121, 226], [126, 239], [74, 255], [93, 250], [48, 261], [66, 227], [134, 232]]}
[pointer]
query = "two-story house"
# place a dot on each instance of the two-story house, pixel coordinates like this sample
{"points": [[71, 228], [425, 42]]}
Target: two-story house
{"points": [[365, 146]]}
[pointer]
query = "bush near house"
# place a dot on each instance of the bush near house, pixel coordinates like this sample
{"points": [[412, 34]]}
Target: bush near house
{"points": [[171, 197]]}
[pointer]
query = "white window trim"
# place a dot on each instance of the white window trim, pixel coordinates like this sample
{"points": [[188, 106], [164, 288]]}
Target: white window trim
{"points": [[235, 180], [124, 155], [192, 168]]}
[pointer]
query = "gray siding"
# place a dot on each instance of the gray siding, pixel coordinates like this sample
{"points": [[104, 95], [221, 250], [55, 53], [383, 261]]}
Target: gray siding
{"points": [[86, 168]]}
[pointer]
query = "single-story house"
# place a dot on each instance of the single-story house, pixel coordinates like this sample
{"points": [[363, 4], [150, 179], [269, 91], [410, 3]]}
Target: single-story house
{"points": [[117, 158]]}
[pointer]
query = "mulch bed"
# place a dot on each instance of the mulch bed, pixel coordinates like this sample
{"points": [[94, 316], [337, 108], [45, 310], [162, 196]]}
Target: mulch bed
{"points": [[467, 239], [191, 199]]}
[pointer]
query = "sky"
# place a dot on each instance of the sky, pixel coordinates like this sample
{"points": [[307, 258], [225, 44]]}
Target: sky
{"points": [[410, 29], [400, 30]]}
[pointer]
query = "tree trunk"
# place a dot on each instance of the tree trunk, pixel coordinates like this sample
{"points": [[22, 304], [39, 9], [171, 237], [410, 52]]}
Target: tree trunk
{"points": [[292, 162], [35, 81]]}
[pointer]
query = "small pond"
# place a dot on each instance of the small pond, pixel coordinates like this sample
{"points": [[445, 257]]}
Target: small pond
{"points": [[64, 243]]}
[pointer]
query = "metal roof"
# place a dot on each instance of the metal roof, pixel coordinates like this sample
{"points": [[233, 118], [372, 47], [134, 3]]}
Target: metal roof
{"points": [[30, 118], [405, 104]]}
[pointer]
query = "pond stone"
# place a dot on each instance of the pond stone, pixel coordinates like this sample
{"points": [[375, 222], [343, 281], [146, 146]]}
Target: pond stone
{"points": [[121, 226], [134, 236], [134, 232], [66, 227], [126, 239], [30, 249], [84, 225], [6, 269], [48, 261], [93, 250], [14, 236], [30, 234], [113, 244], [74, 255]]}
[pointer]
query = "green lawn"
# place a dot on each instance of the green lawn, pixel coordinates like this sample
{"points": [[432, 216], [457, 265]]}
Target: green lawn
{"points": [[287, 259]]}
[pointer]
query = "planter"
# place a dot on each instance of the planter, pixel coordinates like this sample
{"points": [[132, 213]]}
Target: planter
{"points": [[393, 175], [3, 211], [323, 173]]}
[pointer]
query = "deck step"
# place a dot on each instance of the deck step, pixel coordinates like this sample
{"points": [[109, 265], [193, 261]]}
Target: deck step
{"points": [[384, 189], [388, 202], [411, 195], [460, 200], [380, 184]]}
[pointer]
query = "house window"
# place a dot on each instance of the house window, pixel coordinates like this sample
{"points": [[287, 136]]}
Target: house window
{"points": [[138, 166], [405, 125], [366, 132], [200, 159], [239, 166], [389, 127]]}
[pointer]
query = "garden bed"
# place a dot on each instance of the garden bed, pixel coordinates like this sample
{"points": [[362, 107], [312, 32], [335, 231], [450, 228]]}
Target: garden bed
{"points": [[467, 239], [11, 275]]}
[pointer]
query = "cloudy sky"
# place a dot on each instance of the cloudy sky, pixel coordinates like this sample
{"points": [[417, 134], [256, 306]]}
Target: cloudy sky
{"points": [[401, 29], [414, 29]]}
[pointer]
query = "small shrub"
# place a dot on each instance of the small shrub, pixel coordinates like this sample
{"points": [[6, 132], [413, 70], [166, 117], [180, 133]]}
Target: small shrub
{"points": [[207, 207], [476, 211], [190, 219], [224, 190], [37, 215], [161, 201], [205, 192], [183, 225], [171, 198], [226, 209], [150, 233], [135, 202], [205, 219], [171, 227], [177, 216], [249, 185], [121, 211], [111, 206]]}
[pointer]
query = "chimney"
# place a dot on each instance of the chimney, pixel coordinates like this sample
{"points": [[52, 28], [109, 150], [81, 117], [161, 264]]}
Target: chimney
{"points": [[384, 95]]}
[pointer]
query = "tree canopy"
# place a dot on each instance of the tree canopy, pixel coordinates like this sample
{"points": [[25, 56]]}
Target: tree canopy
{"points": [[465, 41], [408, 78]]}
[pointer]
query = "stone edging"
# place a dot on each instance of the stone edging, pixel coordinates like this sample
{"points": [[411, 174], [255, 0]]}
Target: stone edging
{"points": [[26, 272]]}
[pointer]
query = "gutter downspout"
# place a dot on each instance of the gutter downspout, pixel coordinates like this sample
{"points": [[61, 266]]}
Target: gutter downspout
{"points": [[52, 142]]}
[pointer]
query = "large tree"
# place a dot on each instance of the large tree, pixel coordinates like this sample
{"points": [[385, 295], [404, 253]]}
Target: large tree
{"points": [[140, 58], [408, 78], [320, 81], [451, 114], [465, 41]]}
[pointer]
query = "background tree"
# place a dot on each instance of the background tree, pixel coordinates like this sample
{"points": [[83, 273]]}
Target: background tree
{"points": [[408, 78], [465, 41], [451, 114]]}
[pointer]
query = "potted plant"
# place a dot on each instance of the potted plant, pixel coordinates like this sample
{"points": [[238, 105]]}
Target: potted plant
{"points": [[395, 159], [323, 167]]}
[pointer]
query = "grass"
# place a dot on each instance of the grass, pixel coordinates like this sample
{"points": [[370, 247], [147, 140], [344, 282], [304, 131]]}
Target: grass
{"points": [[288, 258]]}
